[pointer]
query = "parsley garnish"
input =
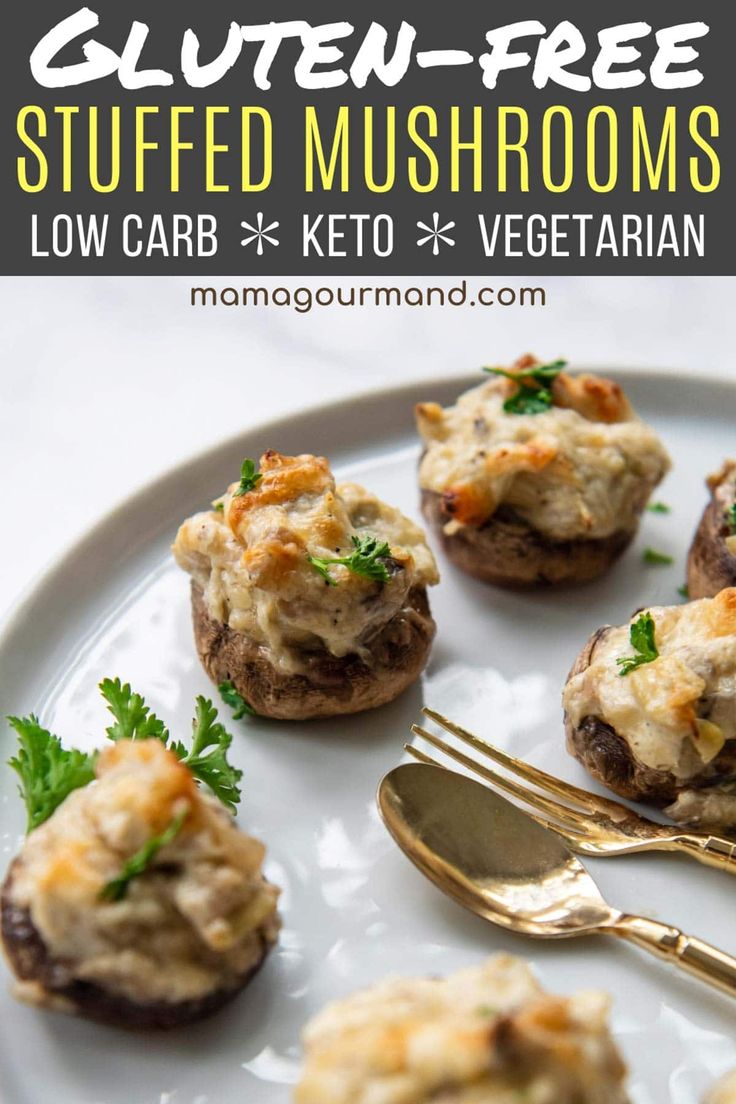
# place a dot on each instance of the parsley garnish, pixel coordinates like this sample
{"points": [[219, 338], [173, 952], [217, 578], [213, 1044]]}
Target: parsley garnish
{"points": [[236, 701], [48, 772], [683, 591], [136, 722], [116, 889], [363, 560], [652, 556], [534, 393], [218, 507], [659, 508], [211, 766], [641, 636], [249, 478], [732, 517]]}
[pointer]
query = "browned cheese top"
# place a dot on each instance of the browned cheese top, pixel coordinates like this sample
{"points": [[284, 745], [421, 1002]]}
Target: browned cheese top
{"points": [[251, 559], [485, 1035], [584, 467], [195, 921]]}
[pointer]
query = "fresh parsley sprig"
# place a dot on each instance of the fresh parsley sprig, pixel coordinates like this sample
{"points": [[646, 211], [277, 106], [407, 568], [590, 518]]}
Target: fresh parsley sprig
{"points": [[138, 864], [533, 394], [250, 477], [48, 772], [207, 757], [133, 719], [659, 508], [732, 517], [365, 560], [136, 722], [236, 701], [641, 636]]}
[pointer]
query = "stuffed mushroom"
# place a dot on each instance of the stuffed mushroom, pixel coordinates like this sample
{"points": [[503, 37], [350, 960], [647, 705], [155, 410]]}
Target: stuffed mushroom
{"points": [[308, 599], [135, 899], [711, 563], [537, 477], [650, 709], [485, 1035]]}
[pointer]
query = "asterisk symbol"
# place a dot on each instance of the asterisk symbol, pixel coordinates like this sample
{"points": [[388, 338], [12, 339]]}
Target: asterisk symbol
{"points": [[435, 233], [259, 233]]}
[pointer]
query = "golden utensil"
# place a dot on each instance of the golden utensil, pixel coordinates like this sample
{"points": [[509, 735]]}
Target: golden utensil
{"points": [[591, 824], [497, 861]]}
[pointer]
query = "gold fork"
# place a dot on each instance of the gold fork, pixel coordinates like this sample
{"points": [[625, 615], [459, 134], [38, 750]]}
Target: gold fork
{"points": [[592, 825]]}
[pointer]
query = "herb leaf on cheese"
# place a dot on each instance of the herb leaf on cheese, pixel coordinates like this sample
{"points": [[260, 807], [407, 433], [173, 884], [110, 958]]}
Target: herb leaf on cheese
{"points": [[139, 863], [364, 560], [249, 477], [533, 394], [641, 636]]}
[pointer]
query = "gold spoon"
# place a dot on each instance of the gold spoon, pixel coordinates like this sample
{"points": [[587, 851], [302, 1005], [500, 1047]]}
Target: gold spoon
{"points": [[496, 861]]}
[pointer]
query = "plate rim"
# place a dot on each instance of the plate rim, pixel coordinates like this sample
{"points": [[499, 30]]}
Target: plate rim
{"points": [[12, 619], [142, 497]]}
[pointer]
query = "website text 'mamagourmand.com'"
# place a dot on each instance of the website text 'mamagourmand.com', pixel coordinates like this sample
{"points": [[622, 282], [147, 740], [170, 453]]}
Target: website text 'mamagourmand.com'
{"points": [[303, 298]]}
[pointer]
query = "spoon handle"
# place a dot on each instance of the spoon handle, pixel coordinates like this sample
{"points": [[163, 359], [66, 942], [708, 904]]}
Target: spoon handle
{"points": [[670, 944]]}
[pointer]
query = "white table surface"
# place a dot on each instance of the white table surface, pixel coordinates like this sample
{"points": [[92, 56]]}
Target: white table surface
{"points": [[105, 383]]}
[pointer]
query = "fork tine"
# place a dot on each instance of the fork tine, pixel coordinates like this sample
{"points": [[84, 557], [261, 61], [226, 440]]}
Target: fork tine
{"points": [[422, 756], [577, 840], [571, 818], [589, 801], [584, 844]]}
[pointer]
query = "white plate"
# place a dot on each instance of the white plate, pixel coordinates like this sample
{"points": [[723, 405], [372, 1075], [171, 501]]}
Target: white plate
{"points": [[354, 909]]}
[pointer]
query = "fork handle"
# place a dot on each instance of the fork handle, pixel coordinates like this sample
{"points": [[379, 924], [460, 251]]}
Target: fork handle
{"points": [[670, 944], [711, 850]]}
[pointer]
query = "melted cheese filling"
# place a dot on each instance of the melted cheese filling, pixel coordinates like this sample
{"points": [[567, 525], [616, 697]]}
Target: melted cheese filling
{"points": [[251, 561], [487, 1035], [571, 471], [711, 809], [192, 924], [677, 712]]}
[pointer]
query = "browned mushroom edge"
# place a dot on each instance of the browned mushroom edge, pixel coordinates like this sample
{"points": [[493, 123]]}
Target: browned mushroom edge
{"points": [[508, 551], [330, 685]]}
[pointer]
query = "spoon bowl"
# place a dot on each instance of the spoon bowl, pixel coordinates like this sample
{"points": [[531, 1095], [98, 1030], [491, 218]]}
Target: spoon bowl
{"points": [[488, 854], [498, 862]]}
